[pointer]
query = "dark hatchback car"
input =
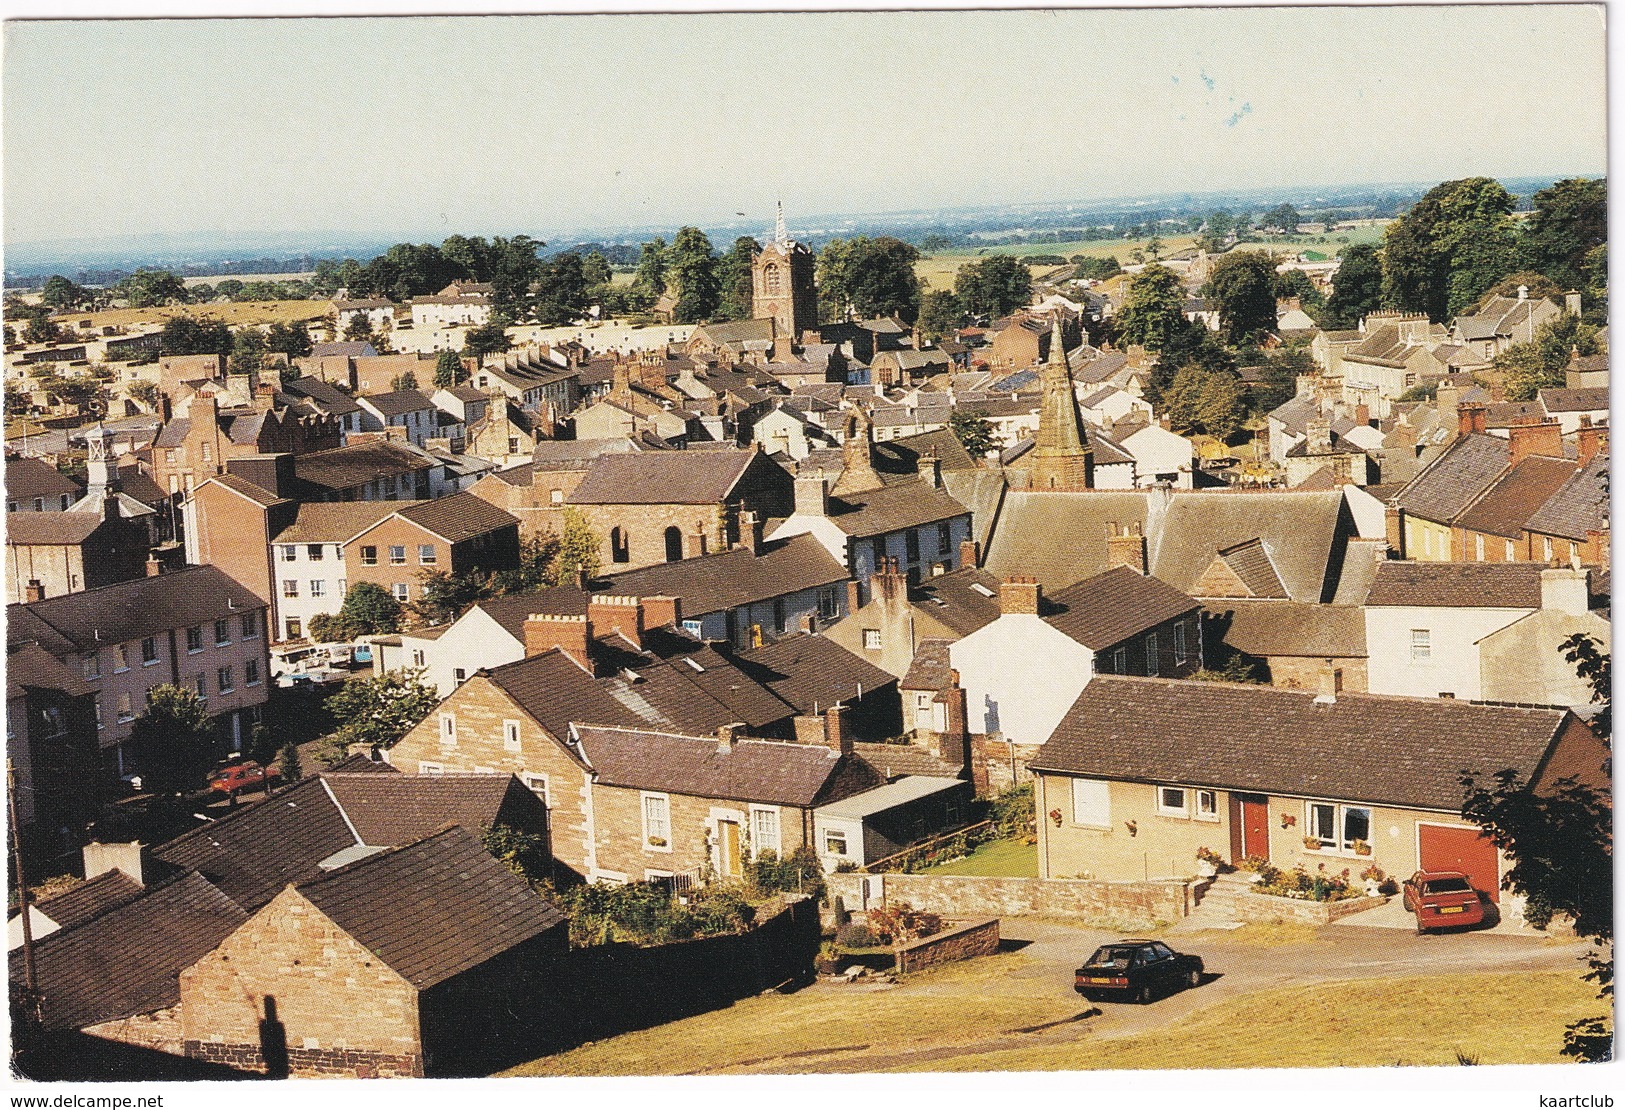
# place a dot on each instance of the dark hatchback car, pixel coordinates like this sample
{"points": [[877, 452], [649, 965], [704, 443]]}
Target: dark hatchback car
{"points": [[1136, 969], [1440, 899]]}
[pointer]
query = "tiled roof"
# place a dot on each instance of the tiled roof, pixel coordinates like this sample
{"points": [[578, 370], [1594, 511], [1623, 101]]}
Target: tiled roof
{"points": [[50, 529], [766, 771], [810, 672], [335, 521], [1574, 400], [902, 455], [458, 517], [1457, 585], [1288, 628], [357, 463], [510, 610], [1303, 532], [127, 959], [662, 478], [931, 668], [1581, 504], [433, 909], [28, 478], [140, 607], [1112, 606], [729, 579], [1060, 537], [29, 666], [954, 600], [1455, 479], [892, 508], [895, 761], [257, 494], [1250, 562], [398, 402], [1358, 748], [1516, 496], [90, 898], [389, 809]]}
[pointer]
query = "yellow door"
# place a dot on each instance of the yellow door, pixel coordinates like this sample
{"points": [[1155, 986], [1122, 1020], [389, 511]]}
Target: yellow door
{"points": [[730, 850]]}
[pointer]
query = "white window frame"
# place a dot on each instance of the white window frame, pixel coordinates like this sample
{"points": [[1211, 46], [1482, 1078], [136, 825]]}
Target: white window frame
{"points": [[427, 555], [830, 849], [427, 768], [511, 735], [535, 779], [318, 587], [871, 639], [1180, 649], [1092, 803], [657, 806], [1164, 809], [760, 841], [1153, 662], [394, 560], [1421, 645], [1207, 805], [448, 730], [402, 591]]}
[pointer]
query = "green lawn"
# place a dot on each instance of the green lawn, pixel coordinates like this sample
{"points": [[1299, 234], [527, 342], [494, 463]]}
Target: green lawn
{"points": [[1015, 858]]}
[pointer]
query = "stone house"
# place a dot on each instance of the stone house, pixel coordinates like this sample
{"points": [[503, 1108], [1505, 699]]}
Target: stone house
{"points": [[898, 618], [407, 409], [461, 303], [411, 962], [50, 747], [49, 554], [196, 627], [1502, 321], [191, 449], [323, 399], [1130, 784], [1296, 642], [531, 379]]}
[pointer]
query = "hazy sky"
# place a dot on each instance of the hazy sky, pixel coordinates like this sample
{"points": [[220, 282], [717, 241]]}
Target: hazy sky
{"points": [[427, 126]]}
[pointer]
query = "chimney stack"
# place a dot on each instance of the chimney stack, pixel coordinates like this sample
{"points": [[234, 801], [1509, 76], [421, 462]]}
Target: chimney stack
{"points": [[34, 591], [1319, 436], [835, 730], [751, 531], [1470, 418], [969, 554], [1566, 590], [570, 634], [662, 611], [810, 731], [729, 735], [1019, 593], [930, 468], [1591, 441], [1126, 549], [1545, 438], [101, 858], [619, 614], [154, 567], [1571, 302], [1329, 681], [812, 496]]}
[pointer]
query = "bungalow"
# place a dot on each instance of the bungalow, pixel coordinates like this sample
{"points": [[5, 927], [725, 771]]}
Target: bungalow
{"points": [[1130, 784]]}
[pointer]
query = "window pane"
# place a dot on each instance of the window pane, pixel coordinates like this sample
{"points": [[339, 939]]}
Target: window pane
{"points": [[1207, 803], [1356, 825], [1323, 821], [1171, 797]]}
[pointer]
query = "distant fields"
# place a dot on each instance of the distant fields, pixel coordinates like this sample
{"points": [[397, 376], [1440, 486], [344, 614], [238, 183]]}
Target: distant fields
{"points": [[237, 314]]}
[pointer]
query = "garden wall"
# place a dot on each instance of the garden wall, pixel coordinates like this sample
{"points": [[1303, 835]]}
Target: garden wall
{"points": [[1267, 908], [962, 942], [964, 895]]}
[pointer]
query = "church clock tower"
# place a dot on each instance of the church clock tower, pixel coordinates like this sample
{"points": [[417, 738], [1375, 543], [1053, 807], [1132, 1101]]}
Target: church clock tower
{"points": [[782, 285]]}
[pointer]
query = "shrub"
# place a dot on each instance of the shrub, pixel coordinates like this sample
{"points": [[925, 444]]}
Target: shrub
{"points": [[1013, 811], [857, 936], [901, 922]]}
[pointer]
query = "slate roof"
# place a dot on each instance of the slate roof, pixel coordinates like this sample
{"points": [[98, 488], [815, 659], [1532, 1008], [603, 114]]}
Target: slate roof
{"points": [[335, 521], [1112, 606], [1289, 628], [1457, 585], [257, 494], [902, 455], [510, 610], [50, 529], [387, 809], [1574, 400], [433, 909], [1360, 748], [131, 610], [457, 517], [897, 760], [728, 579], [810, 672], [90, 898], [1301, 530], [1517, 496], [28, 478], [351, 349], [662, 478], [1448, 485], [30, 667], [357, 463], [766, 771], [1059, 537], [892, 508], [954, 600], [127, 959], [397, 402], [1579, 506]]}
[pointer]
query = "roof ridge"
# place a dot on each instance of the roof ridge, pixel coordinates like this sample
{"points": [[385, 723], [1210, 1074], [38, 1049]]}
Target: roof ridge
{"points": [[374, 857]]}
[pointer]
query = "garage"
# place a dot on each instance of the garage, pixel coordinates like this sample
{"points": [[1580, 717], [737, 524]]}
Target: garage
{"points": [[1461, 848]]}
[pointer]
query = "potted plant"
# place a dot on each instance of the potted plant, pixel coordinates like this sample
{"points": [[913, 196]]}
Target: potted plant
{"points": [[1312, 843], [1361, 848], [657, 842], [1208, 862], [1373, 877]]}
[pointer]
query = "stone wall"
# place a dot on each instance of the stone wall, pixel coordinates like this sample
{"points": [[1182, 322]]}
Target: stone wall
{"points": [[160, 1030], [1268, 908], [962, 942], [958, 896]]}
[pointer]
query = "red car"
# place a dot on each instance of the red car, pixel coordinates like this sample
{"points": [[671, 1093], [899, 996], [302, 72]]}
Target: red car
{"points": [[243, 776], [1442, 898]]}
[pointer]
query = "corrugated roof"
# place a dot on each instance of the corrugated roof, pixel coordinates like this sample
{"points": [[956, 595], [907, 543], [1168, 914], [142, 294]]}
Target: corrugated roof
{"points": [[1357, 748], [433, 909], [907, 789]]}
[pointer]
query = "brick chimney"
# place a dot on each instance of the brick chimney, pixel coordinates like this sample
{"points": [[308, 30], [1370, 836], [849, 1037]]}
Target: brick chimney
{"points": [[154, 567], [930, 468], [1470, 418], [1126, 549], [1019, 593], [617, 613], [1393, 521], [570, 634], [728, 735], [264, 397], [751, 531], [1329, 680], [812, 496], [102, 858], [662, 611], [34, 591], [836, 734], [970, 554], [1544, 438], [1591, 440], [695, 542], [810, 731], [1318, 434]]}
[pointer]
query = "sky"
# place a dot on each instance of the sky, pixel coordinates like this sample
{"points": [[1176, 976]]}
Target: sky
{"points": [[491, 125]]}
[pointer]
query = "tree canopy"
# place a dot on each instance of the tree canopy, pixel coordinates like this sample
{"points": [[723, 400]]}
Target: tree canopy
{"points": [[370, 610], [1153, 309], [1569, 221], [380, 710], [1447, 251], [1243, 284], [190, 335], [1356, 290], [994, 286], [940, 315], [172, 741], [974, 432], [691, 268]]}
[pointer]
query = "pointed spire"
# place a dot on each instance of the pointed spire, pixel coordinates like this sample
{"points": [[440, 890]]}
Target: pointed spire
{"points": [[779, 235], [1062, 456]]}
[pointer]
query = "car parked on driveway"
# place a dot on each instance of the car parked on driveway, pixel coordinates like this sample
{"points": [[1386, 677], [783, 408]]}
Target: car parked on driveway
{"points": [[1442, 898], [243, 776], [1136, 969]]}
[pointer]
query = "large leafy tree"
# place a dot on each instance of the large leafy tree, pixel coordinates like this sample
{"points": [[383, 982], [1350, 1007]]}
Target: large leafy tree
{"points": [[292, 340], [379, 710], [514, 268], [834, 280], [188, 335], [1558, 842], [146, 288], [60, 293], [1569, 221], [448, 370], [485, 340], [692, 269], [940, 315], [650, 278], [995, 286], [1243, 284], [974, 432], [172, 742], [370, 610], [1450, 248], [561, 290], [1153, 309], [595, 268], [577, 550], [734, 276], [1540, 363], [1356, 290], [879, 278], [1283, 216]]}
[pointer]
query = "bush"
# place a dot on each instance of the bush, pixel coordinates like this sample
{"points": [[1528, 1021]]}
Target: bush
{"points": [[648, 913], [1319, 885], [798, 872], [900, 923], [857, 936], [1013, 812]]}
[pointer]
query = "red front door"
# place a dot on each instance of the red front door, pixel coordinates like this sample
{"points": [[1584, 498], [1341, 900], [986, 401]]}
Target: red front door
{"points": [[1255, 824]]}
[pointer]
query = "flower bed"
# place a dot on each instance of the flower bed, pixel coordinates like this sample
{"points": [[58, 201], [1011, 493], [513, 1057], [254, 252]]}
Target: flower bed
{"points": [[1319, 885]]}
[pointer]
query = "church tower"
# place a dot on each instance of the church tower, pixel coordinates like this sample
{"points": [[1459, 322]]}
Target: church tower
{"points": [[781, 279], [1062, 458]]}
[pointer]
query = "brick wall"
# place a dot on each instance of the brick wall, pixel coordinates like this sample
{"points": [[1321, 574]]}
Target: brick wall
{"points": [[480, 708], [1085, 899], [962, 942], [1304, 674], [277, 978], [1268, 908]]}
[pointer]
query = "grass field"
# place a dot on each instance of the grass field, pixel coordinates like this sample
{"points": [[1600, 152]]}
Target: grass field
{"points": [[997, 857], [237, 314], [1424, 1020]]}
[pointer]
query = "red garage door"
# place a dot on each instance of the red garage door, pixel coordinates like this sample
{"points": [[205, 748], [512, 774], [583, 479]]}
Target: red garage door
{"points": [[1461, 848]]}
